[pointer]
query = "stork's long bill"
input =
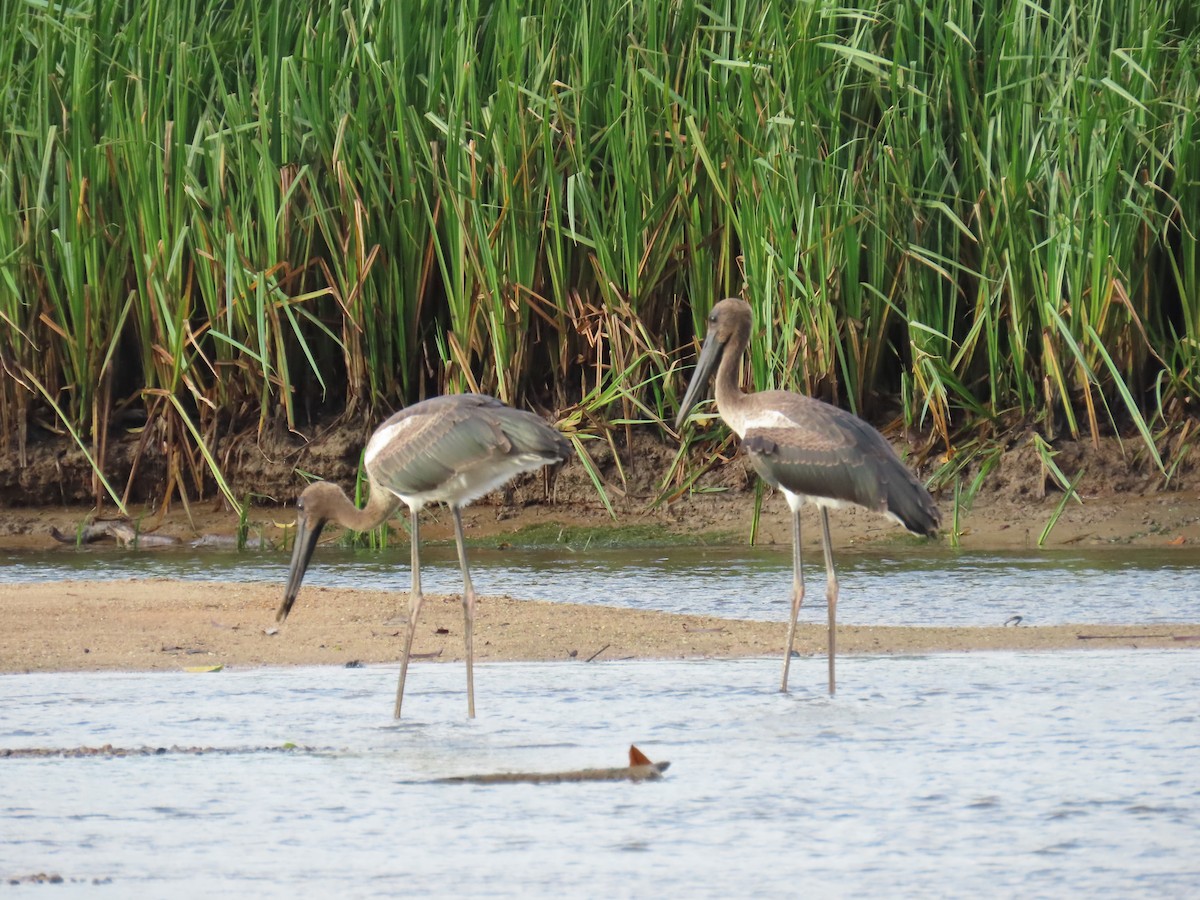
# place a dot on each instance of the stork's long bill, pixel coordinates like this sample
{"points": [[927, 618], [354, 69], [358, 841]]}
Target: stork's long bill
{"points": [[710, 356], [307, 534]]}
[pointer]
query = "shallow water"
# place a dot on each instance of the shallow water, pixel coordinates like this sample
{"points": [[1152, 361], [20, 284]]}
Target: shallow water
{"points": [[903, 585], [995, 774]]}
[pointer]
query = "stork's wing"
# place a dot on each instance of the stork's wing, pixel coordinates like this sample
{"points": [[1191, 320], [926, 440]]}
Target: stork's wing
{"points": [[828, 468], [818, 450], [424, 446]]}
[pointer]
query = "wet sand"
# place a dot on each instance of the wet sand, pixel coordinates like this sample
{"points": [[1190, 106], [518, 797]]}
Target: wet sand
{"points": [[166, 624]]}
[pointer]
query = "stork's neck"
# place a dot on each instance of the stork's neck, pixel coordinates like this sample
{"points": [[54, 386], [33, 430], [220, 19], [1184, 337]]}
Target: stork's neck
{"points": [[380, 505], [729, 391]]}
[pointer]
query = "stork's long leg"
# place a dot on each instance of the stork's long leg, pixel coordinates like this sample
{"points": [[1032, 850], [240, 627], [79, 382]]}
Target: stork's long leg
{"points": [[831, 595], [468, 609], [414, 608], [797, 596]]}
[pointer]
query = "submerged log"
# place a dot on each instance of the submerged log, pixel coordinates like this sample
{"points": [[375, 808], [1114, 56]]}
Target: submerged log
{"points": [[639, 769]]}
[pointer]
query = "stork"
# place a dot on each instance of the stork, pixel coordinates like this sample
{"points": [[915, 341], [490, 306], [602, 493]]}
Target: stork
{"points": [[808, 449], [451, 449]]}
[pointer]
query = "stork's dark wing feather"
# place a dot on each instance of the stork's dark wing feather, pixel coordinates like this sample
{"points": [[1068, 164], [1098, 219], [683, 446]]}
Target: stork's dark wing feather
{"points": [[818, 450], [838, 472], [530, 433]]}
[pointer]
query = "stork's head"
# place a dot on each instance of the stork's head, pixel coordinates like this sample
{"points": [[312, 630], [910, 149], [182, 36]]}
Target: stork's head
{"points": [[728, 325], [318, 503]]}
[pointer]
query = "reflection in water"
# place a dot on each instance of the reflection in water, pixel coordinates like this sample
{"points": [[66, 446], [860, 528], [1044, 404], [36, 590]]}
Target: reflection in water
{"points": [[1012, 774], [904, 585]]}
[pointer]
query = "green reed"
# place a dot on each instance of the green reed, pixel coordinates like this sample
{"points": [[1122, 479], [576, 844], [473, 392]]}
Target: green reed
{"points": [[962, 214]]}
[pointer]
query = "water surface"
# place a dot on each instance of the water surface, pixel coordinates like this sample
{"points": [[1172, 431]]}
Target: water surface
{"points": [[906, 584], [1005, 774]]}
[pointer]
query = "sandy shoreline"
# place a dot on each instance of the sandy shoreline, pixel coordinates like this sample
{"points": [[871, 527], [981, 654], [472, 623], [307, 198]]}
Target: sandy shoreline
{"points": [[168, 624], [162, 624]]}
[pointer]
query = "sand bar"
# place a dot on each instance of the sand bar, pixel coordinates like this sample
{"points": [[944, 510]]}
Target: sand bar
{"points": [[167, 624]]}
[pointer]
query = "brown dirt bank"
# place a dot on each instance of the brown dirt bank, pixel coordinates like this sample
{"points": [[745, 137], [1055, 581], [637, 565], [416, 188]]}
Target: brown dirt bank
{"points": [[1166, 519], [164, 624], [1125, 499]]}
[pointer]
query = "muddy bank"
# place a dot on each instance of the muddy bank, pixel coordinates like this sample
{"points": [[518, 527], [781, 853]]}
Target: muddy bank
{"points": [[995, 521], [1125, 499]]}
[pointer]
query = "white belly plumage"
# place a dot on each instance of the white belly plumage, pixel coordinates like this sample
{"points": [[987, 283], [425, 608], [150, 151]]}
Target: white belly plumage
{"points": [[470, 484]]}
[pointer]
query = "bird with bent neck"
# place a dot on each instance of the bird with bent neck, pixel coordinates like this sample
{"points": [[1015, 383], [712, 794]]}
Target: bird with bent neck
{"points": [[452, 450]]}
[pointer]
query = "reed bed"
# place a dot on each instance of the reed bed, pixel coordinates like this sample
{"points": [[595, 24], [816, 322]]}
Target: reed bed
{"points": [[970, 216]]}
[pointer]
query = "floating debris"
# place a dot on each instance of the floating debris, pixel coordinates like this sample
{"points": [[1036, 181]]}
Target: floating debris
{"points": [[598, 652], [39, 878], [220, 542], [124, 532], [110, 750], [1122, 637]]}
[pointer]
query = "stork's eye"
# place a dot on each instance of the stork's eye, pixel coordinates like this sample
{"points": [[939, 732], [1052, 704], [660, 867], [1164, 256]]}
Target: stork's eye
{"points": [[712, 319]]}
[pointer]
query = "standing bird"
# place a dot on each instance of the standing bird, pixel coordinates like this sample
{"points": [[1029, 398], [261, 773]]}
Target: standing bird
{"points": [[451, 450], [808, 449]]}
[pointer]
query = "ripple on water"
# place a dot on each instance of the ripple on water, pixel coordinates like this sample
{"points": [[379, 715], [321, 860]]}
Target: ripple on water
{"points": [[960, 771]]}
